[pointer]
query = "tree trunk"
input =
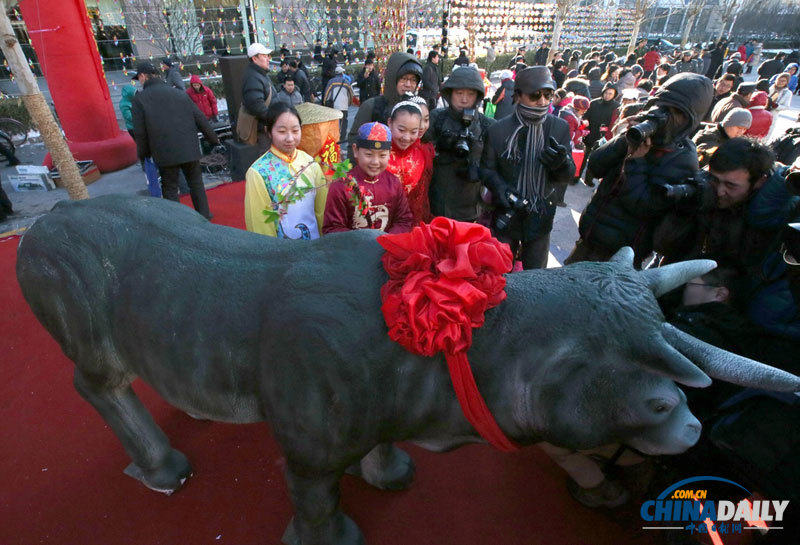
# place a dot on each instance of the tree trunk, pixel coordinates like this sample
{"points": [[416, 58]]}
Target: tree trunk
{"points": [[686, 29], [637, 23], [557, 24], [40, 113]]}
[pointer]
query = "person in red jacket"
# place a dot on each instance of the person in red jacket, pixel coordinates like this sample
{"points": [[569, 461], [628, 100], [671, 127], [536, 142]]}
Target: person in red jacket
{"points": [[203, 97], [651, 60], [762, 119]]}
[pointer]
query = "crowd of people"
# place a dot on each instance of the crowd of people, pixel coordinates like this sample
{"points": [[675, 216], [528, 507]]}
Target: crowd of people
{"points": [[676, 146]]}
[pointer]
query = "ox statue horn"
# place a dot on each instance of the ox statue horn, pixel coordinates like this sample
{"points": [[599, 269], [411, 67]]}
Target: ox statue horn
{"points": [[729, 367]]}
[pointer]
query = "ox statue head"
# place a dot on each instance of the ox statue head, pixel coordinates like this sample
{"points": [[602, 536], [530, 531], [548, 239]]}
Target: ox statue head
{"points": [[607, 362]]}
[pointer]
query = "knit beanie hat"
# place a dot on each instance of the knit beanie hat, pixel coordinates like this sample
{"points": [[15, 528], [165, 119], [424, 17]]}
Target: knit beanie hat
{"points": [[738, 117]]}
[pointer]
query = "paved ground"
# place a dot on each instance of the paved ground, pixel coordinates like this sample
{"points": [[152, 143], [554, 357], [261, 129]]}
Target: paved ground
{"points": [[29, 205]]}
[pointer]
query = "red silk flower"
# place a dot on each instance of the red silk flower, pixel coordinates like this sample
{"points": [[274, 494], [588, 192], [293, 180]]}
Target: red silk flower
{"points": [[443, 277]]}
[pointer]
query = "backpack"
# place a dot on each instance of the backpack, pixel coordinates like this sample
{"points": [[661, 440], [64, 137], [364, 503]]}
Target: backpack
{"points": [[787, 147]]}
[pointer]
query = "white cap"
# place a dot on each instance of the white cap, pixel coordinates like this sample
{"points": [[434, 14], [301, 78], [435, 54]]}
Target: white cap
{"points": [[339, 70], [257, 49], [630, 94]]}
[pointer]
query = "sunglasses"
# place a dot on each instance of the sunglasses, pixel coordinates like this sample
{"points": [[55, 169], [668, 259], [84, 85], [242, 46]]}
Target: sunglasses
{"points": [[546, 93]]}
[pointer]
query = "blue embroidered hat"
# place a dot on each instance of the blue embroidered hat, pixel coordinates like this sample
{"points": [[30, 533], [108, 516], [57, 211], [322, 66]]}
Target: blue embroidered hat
{"points": [[374, 136]]}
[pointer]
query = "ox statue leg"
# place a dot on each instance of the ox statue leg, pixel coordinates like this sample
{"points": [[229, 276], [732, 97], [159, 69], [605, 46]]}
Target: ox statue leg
{"points": [[386, 467], [154, 462], [318, 520]]}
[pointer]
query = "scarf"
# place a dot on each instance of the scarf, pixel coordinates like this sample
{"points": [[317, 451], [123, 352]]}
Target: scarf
{"points": [[532, 175]]}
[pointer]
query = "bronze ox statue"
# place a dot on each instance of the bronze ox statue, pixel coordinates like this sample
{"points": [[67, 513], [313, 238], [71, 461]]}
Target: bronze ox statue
{"points": [[238, 327]]}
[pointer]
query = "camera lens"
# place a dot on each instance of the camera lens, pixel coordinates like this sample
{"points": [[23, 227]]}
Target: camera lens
{"points": [[461, 149]]}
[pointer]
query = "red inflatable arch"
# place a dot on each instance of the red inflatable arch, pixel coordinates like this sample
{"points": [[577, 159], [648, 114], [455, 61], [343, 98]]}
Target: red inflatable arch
{"points": [[62, 36]]}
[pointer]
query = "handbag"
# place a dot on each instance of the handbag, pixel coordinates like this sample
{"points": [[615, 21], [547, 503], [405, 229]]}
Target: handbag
{"points": [[247, 124]]}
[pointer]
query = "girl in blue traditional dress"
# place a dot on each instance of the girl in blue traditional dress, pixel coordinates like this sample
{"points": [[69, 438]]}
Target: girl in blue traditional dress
{"points": [[271, 177]]}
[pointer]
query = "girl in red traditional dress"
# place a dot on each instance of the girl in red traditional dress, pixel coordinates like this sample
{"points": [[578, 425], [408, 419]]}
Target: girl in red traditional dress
{"points": [[410, 161]]}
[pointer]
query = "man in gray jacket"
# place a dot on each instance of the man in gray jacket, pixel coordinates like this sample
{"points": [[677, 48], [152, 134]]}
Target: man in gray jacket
{"points": [[173, 74], [165, 126]]}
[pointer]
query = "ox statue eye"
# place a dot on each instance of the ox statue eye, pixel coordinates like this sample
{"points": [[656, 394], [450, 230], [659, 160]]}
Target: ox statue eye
{"points": [[661, 406]]}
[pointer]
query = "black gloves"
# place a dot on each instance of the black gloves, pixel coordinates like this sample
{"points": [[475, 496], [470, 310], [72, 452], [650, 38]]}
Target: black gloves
{"points": [[554, 155]]}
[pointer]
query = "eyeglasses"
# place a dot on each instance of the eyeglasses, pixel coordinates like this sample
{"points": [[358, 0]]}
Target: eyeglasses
{"points": [[408, 79], [546, 93]]}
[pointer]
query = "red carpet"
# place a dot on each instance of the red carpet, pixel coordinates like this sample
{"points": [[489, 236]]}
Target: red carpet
{"points": [[62, 480]]}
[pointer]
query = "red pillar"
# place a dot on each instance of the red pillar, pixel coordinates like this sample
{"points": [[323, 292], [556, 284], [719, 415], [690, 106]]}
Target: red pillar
{"points": [[62, 36]]}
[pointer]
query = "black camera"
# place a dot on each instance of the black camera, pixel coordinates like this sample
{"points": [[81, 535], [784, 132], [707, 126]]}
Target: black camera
{"points": [[519, 204], [652, 121], [683, 192], [461, 147]]}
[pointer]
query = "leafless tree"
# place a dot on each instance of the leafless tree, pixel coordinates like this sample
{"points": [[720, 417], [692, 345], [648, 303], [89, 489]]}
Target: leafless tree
{"points": [[693, 9], [306, 19], [641, 11], [168, 27]]}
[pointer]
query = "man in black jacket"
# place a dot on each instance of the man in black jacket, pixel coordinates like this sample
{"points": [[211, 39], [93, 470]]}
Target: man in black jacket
{"points": [[540, 57], [771, 67], [458, 133], [402, 75], [165, 125], [329, 68], [301, 80], [368, 83], [430, 80], [526, 158], [631, 199], [257, 89]]}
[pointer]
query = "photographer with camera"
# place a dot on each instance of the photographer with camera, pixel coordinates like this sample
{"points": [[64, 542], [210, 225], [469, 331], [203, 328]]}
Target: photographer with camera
{"points": [[526, 159], [637, 169], [458, 133], [744, 222]]}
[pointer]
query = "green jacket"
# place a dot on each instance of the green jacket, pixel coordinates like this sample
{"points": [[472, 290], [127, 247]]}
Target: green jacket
{"points": [[125, 105]]}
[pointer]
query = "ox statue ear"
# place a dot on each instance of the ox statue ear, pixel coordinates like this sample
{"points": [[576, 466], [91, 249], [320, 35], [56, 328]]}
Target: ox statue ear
{"points": [[665, 279], [663, 359], [624, 256], [723, 365]]}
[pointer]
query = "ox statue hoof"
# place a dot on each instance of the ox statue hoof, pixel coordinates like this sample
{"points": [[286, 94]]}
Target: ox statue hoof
{"points": [[167, 477], [385, 467], [340, 530]]}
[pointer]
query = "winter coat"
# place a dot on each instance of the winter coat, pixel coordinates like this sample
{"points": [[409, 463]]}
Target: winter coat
{"points": [[462, 60], [455, 184], [174, 78], [379, 108], [770, 68], [690, 66], [205, 99], [503, 99], [292, 100], [430, 82], [717, 56], [726, 105], [338, 94], [600, 113], [125, 104], [781, 98], [708, 140], [651, 60], [629, 80], [762, 119], [302, 84], [501, 173], [256, 89], [629, 202], [792, 78], [540, 57], [595, 85], [577, 128], [368, 86], [165, 125], [578, 86]]}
